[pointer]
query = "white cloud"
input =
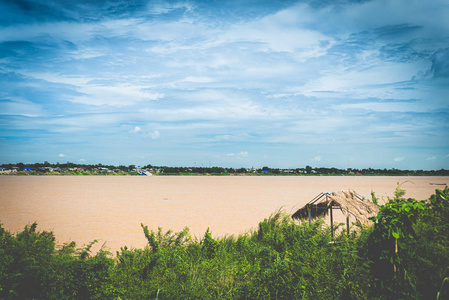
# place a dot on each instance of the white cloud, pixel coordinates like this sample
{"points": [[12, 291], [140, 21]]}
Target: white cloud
{"points": [[61, 155], [195, 79], [160, 7], [154, 134], [384, 13], [243, 154], [281, 32], [77, 123], [431, 158], [176, 32], [118, 96], [72, 31], [224, 137], [229, 109], [317, 158], [398, 159], [71, 79], [81, 160], [20, 106], [365, 82]]}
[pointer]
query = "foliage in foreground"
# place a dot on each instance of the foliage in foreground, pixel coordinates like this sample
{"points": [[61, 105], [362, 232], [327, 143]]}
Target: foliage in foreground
{"points": [[278, 260]]}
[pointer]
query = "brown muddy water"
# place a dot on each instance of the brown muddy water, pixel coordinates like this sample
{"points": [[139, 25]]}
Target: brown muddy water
{"points": [[111, 208]]}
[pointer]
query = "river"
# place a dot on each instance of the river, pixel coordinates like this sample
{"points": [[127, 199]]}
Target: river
{"points": [[111, 208]]}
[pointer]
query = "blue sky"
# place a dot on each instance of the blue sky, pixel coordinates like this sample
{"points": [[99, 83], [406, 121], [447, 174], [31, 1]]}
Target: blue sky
{"points": [[228, 83]]}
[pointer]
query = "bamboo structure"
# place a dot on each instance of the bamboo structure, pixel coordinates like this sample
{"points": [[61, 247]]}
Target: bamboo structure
{"points": [[349, 202]]}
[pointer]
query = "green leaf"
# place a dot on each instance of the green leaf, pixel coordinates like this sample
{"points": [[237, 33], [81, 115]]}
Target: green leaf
{"points": [[395, 234]]}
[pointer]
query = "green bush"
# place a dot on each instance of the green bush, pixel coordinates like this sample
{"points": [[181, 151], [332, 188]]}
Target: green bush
{"points": [[32, 268], [427, 257]]}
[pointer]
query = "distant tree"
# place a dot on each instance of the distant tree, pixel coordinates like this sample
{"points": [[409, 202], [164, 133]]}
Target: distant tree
{"points": [[122, 168], [275, 171], [241, 170]]}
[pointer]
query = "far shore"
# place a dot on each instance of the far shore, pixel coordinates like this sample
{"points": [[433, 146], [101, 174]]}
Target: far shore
{"points": [[217, 174]]}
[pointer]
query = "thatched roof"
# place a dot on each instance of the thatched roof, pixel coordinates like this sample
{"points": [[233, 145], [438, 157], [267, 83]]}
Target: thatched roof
{"points": [[349, 203]]}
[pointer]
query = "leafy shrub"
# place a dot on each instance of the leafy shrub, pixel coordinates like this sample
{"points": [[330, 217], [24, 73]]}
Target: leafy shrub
{"points": [[32, 268]]}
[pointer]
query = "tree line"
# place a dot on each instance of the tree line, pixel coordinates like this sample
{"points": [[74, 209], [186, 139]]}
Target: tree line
{"points": [[168, 170]]}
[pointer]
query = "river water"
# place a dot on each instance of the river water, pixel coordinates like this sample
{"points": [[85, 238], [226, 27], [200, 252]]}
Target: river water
{"points": [[111, 208]]}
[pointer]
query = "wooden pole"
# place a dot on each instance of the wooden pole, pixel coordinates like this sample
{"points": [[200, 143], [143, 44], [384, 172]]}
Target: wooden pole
{"points": [[347, 224], [309, 207], [331, 215], [332, 224]]}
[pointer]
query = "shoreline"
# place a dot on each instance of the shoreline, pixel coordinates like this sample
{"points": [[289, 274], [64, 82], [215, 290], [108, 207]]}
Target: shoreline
{"points": [[231, 175]]}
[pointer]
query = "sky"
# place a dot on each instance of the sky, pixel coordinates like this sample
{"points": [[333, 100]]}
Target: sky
{"points": [[326, 83]]}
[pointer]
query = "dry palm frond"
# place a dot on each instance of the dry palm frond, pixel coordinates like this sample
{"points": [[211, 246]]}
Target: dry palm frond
{"points": [[347, 201]]}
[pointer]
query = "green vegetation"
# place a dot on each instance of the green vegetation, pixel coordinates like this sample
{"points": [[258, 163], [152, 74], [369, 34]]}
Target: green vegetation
{"points": [[405, 255], [70, 168]]}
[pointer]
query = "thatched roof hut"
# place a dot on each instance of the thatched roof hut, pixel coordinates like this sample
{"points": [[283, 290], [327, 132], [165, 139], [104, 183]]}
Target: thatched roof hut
{"points": [[349, 202]]}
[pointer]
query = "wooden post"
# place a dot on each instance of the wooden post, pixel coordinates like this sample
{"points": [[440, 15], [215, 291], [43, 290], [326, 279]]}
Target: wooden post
{"points": [[332, 224], [309, 207], [331, 215], [347, 224]]}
